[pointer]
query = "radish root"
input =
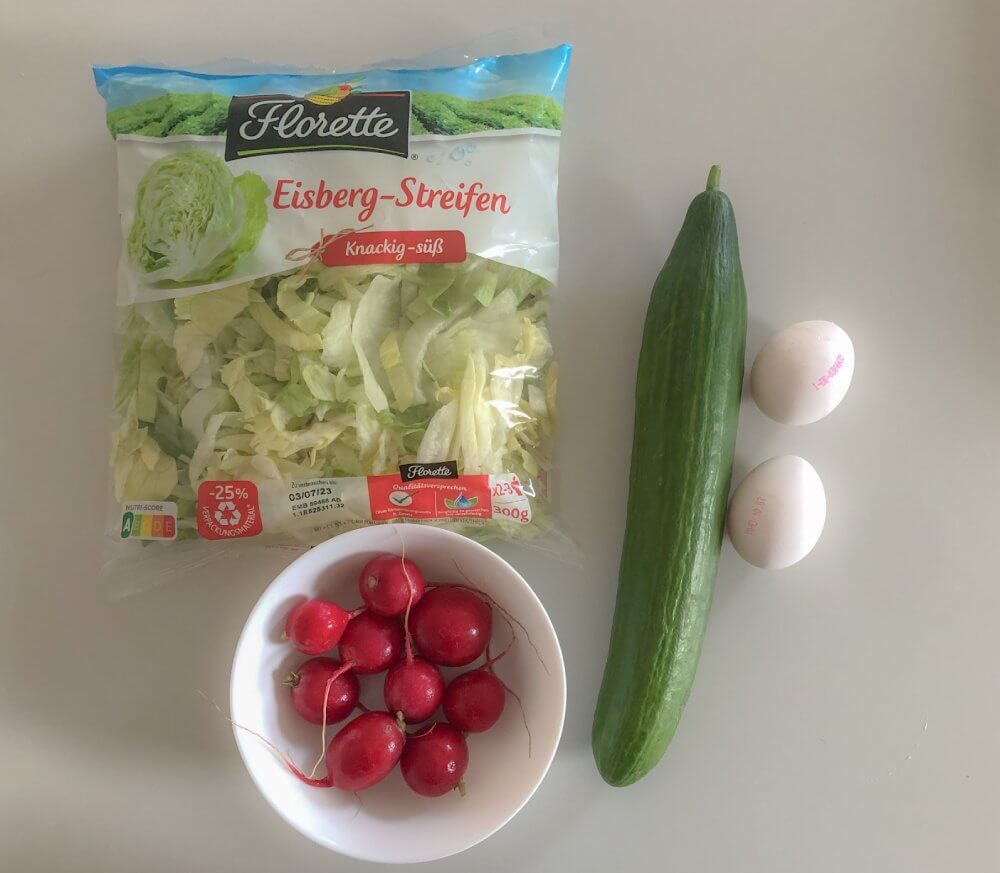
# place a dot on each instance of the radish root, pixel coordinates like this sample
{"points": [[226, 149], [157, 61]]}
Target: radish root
{"points": [[358, 808], [282, 756], [471, 586], [520, 706], [492, 659]]}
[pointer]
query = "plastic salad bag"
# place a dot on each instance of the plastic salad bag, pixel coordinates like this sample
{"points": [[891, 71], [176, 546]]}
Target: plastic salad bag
{"points": [[332, 300]]}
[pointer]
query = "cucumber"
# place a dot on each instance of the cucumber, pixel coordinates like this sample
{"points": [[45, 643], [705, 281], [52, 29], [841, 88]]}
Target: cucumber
{"points": [[687, 399]]}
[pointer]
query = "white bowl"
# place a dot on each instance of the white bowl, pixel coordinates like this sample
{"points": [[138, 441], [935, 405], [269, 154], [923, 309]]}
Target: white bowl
{"points": [[388, 822]]}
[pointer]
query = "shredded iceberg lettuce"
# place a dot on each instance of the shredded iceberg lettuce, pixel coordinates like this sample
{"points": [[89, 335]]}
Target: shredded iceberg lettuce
{"points": [[335, 371]]}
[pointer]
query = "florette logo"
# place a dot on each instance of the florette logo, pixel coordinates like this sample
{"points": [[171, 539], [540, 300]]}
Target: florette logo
{"points": [[265, 124], [435, 470]]}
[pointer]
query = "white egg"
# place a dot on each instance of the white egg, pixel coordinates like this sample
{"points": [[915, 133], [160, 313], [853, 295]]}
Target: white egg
{"points": [[803, 372], [777, 512]]}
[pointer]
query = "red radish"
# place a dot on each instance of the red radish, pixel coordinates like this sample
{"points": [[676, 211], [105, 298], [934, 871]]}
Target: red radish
{"points": [[473, 701], [413, 688], [391, 583], [316, 626], [511, 621], [308, 685], [434, 760], [362, 753], [451, 625], [371, 643]]}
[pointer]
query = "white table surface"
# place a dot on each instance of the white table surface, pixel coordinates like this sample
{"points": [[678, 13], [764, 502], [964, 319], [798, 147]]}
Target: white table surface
{"points": [[846, 712]]}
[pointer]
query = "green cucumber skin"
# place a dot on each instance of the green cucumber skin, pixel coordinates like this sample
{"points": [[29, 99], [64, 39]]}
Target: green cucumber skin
{"points": [[688, 388]]}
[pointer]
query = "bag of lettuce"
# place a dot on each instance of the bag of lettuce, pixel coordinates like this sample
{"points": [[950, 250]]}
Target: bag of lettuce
{"points": [[333, 296]]}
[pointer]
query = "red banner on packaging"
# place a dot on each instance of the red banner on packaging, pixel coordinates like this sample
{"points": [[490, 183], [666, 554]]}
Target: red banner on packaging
{"points": [[395, 247], [464, 497]]}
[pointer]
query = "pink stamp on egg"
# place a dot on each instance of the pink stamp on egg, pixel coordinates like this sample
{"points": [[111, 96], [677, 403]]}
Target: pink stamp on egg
{"points": [[834, 368]]}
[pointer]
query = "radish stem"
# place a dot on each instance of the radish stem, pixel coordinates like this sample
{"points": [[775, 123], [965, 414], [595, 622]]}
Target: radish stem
{"points": [[407, 640], [326, 698]]}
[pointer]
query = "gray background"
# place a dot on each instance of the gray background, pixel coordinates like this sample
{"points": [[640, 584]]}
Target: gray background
{"points": [[846, 713]]}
